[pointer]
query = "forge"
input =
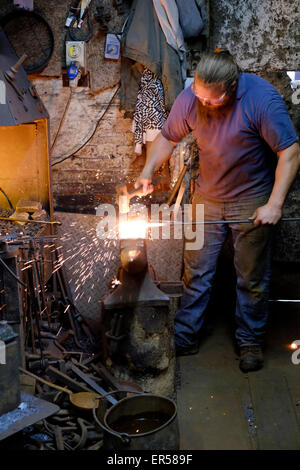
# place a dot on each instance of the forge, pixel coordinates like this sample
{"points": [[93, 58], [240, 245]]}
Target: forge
{"points": [[25, 221]]}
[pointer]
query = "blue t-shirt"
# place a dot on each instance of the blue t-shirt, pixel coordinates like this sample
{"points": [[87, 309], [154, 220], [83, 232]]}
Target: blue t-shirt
{"points": [[236, 152]]}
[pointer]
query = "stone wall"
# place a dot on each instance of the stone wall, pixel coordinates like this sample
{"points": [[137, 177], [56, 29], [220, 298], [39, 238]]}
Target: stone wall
{"points": [[262, 35]]}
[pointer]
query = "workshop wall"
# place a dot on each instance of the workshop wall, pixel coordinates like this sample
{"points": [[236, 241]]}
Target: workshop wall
{"points": [[80, 183], [263, 36]]}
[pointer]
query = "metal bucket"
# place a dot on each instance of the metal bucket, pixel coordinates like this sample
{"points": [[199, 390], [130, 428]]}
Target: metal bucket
{"points": [[136, 410]]}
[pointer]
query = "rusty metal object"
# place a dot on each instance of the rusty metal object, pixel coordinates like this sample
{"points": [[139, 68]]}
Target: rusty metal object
{"points": [[64, 378], [59, 438], [14, 68]]}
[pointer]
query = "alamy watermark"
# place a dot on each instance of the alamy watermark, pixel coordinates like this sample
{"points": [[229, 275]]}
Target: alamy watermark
{"points": [[2, 92], [2, 353], [159, 220], [296, 354], [296, 95]]}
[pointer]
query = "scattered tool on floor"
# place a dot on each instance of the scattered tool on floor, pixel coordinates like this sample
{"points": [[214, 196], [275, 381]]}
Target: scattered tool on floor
{"points": [[82, 400]]}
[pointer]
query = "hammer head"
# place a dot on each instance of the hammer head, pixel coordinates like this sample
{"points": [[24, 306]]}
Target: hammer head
{"points": [[123, 197]]}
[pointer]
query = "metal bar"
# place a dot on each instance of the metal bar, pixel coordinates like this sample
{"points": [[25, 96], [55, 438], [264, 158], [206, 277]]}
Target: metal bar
{"points": [[246, 221], [31, 221], [93, 384]]}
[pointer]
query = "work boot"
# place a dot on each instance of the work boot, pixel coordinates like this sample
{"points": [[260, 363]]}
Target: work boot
{"points": [[186, 350], [251, 357]]}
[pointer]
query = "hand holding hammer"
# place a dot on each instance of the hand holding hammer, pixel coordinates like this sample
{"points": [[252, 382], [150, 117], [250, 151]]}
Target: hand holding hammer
{"points": [[124, 196]]}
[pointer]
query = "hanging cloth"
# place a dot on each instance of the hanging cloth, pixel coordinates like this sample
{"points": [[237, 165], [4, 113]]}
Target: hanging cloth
{"points": [[144, 42], [190, 17], [150, 113], [168, 17]]}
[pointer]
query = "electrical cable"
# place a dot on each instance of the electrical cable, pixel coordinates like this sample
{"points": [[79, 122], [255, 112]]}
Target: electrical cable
{"points": [[12, 273], [8, 200], [93, 133], [62, 120]]}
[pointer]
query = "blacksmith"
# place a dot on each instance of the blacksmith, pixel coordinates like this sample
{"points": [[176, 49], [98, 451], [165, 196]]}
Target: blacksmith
{"points": [[248, 159]]}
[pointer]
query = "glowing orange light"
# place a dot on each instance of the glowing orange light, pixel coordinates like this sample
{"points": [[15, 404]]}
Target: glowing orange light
{"points": [[115, 282], [294, 346], [133, 229]]}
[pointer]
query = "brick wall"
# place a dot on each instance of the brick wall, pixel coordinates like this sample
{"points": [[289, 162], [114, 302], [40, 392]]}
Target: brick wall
{"points": [[91, 175]]}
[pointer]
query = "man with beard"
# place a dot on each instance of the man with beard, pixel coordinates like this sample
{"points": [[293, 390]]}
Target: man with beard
{"points": [[240, 123]]}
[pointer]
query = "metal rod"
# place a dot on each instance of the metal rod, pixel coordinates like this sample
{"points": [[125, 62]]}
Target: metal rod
{"points": [[246, 221], [31, 221], [15, 67]]}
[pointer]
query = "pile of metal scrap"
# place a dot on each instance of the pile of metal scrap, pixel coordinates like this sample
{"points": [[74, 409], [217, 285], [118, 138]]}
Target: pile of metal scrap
{"points": [[73, 426], [57, 349], [72, 385], [20, 223]]}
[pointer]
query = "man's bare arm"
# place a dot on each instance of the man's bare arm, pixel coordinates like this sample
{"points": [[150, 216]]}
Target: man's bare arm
{"points": [[286, 171], [161, 150]]}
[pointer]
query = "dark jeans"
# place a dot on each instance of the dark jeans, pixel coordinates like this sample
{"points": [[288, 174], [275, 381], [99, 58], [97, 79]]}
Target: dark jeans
{"points": [[252, 246]]}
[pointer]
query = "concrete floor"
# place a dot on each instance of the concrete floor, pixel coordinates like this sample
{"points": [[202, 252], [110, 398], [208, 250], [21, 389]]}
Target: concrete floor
{"points": [[221, 408]]}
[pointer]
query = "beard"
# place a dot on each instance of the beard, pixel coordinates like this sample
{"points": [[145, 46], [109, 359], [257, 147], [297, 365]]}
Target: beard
{"points": [[206, 114]]}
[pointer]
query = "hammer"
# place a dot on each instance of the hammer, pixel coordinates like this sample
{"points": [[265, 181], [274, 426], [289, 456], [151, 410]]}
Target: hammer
{"points": [[123, 202]]}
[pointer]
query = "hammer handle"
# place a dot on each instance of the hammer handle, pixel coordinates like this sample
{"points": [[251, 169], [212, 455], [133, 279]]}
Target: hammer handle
{"points": [[177, 184]]}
